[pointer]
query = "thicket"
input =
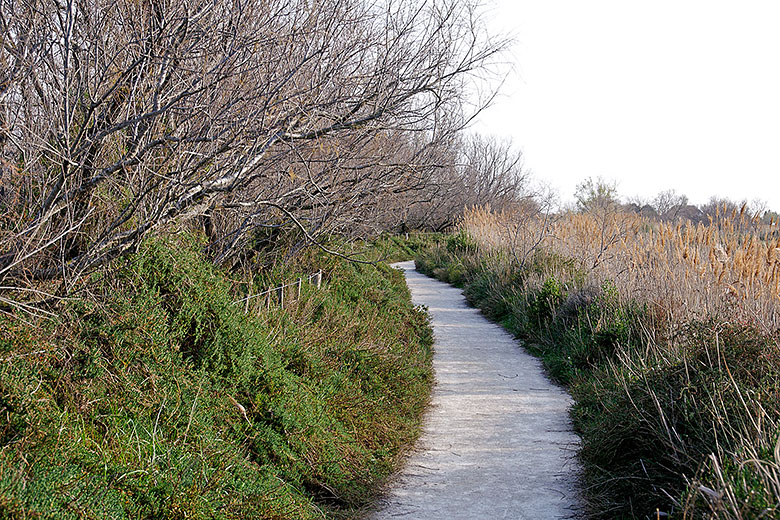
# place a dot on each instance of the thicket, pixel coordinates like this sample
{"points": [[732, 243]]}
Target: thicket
{"points": [[155, 395], [678, 404]]}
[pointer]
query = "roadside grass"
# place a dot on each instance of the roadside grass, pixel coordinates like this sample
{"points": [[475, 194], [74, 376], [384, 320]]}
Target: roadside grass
{"points": [[676, 417], [157, 397], [391, 247]]}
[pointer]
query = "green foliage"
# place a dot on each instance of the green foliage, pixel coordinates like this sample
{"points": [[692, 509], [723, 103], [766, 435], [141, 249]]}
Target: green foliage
{"points": [[651, 425], [543, 305], [461, 242], [454, 273], [489, 292], [608, 323], [397, 248], [595, 194], [163, 399]]}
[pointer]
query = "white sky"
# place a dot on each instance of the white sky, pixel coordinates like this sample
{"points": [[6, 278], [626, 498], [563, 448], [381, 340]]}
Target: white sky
{"points": [[680, 94]]}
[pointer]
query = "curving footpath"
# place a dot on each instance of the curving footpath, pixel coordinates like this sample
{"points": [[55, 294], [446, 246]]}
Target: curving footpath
{"points": [[497, 440]]}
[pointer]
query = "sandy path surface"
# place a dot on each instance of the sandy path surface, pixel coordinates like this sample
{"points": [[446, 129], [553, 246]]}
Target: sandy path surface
{"points": [[497, 440]]}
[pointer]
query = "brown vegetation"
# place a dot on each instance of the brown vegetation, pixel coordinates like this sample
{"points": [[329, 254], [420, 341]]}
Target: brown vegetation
{"points": [[728, 268], [121, 118]]}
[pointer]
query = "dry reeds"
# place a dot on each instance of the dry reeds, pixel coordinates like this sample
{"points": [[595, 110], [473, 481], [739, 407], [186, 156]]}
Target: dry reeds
{"points": [[729, 268]]}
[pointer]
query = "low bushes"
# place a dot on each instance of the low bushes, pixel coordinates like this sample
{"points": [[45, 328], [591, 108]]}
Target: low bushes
{"points": [[158, 397]]}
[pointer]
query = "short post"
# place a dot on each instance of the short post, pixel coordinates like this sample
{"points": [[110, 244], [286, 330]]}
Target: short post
{"points": [[299, 283], [318, 278], [268, 298], [249, 292], [280, 295]]}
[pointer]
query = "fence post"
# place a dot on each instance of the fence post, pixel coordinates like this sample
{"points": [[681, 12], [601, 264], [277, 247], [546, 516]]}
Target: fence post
{"points": [[299, 283], [280, 294], [249, 291], [318, 278], [268, 298]]}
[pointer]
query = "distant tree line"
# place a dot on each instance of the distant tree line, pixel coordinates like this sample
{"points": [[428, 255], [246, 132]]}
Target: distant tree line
{"points": [[666, 205]]}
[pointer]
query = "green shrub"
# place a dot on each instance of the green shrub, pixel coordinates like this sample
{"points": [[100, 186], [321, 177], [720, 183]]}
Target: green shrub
{"points": [[396, 248], [544, 303], [160, 398], [461, 242]]}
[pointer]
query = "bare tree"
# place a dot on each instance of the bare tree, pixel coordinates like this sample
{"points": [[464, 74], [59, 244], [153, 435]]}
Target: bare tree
{"points": [[668, 204], [119, 118], [474, 170], [493, 172], [597, 201], [721, 206]]}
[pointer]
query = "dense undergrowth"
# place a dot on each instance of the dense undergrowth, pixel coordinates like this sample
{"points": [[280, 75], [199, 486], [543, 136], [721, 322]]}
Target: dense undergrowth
{"points": [[677, 419], [158, 397]]}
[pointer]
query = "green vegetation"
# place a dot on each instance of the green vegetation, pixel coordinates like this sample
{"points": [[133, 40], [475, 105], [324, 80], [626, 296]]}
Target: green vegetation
{"points": [[679, 418], [155, 396], [397, 248]]}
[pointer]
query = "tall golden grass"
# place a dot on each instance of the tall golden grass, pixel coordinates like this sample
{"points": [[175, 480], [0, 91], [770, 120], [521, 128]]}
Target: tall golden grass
{"points": [[728, 268]]}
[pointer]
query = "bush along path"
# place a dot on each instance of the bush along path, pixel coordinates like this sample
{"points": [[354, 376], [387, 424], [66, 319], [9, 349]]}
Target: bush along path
{"points": [[497, 441], [158, 397]]}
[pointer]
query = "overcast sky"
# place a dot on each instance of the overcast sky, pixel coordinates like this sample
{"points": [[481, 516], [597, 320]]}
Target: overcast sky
{"points": [[680, 94]]}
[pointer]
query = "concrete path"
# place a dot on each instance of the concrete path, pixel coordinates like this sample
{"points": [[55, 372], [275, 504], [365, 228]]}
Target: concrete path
{"points": [[497, 440]]}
